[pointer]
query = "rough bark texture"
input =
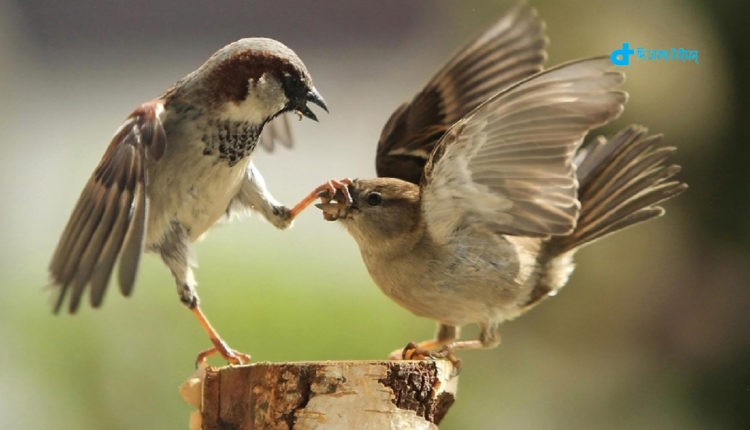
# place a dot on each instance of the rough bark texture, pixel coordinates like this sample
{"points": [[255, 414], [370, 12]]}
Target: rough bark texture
{"points": [[326, 395]]}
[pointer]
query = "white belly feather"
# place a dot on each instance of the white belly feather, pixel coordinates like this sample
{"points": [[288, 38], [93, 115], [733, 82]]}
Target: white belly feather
{"points": [[192, 189]]}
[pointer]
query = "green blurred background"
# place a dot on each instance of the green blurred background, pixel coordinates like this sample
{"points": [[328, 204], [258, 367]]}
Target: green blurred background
{"points": [[652, 331]]}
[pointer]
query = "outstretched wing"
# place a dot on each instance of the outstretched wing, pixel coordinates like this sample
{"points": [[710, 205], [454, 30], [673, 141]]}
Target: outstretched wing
{"points": [[109, 220], [507, 52], [509, 164], [277, 131]]}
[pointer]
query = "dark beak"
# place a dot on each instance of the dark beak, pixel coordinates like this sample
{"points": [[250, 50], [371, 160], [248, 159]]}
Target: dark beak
{"points": [[313, 96]]}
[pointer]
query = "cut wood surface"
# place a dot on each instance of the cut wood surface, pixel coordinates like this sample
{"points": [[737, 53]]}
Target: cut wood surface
{"points": [[322, 395]]}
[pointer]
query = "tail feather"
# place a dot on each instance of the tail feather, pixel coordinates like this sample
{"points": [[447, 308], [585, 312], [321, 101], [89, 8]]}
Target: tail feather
{"points": [[632, 178], [620, 183]]}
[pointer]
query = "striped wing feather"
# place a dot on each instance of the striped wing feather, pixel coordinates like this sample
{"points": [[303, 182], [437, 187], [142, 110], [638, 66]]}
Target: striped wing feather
{"points": [[109, 219], [507, 52], [509, 164]]}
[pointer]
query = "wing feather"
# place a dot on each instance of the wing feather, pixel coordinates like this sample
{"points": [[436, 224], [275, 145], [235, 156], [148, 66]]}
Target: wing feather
{"points": [[110, 215], [509, 164], [106, 260], [510, 50], [276, 131], [135, 239]]}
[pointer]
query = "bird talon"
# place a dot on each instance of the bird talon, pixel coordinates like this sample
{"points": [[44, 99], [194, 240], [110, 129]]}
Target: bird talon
{"points": [[412, 351], [232, 356], [446, 352], [409, 351], [324, 195], [325, 192], [241, 357], [340, 187]]}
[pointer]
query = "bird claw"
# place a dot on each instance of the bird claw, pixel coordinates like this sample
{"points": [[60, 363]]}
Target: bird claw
{"points": [[230, 355], [335, 198], [336, 190], [327, 192], [412, 351]]}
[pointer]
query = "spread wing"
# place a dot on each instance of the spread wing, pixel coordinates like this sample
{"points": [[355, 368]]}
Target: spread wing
{"points": [[109, 220], [510, 50], [509, 164], [277, 131]]}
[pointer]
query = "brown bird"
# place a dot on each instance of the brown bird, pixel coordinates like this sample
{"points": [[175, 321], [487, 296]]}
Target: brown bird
{"points": [[176, 166], [485, 193]]}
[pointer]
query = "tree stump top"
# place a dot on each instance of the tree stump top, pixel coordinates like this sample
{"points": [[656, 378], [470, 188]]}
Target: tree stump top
{"points": [[323, 395]]}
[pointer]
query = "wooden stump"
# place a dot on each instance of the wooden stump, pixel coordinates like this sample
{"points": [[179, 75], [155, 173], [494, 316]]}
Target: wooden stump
{"points": [[322, 395]]}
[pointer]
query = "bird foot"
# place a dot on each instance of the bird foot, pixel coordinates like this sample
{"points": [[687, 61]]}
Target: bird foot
{"points": [[230, 355], [412, 351], [337, 190], [331, 190], [220, 347]]}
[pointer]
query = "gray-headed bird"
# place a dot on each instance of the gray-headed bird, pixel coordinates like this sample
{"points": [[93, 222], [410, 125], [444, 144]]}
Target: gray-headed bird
{"points": [[176, 166]]}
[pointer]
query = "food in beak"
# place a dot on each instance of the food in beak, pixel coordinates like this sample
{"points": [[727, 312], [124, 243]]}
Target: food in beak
{"points": [[334, 206]]}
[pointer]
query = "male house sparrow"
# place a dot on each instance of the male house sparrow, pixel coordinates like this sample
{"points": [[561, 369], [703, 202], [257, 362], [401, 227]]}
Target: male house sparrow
{"points": [[484, 194], [177, 165]]}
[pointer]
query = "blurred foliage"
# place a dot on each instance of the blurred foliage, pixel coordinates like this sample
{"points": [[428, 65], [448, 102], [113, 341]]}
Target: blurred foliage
{"points": [[651, 332]]}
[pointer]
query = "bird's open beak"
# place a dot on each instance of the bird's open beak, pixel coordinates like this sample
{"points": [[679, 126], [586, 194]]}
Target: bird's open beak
{"points": [[332, 211], [314, 97]]}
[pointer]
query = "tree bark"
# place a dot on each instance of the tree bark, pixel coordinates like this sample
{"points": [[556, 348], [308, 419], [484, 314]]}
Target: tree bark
{"points": [[322, 395]]}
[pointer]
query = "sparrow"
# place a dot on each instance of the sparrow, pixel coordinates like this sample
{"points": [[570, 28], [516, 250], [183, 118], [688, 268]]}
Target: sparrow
{"points": [[177, 165], [484, 191]]}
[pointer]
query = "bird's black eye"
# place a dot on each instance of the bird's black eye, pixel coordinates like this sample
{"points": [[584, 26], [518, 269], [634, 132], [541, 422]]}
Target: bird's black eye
{"points": [[374, 199]]}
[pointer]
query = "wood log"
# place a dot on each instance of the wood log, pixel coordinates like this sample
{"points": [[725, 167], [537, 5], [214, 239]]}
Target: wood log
{"points": [[322, 395]]}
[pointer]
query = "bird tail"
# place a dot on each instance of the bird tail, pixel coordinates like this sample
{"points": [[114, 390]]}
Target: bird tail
{"points": [[621, 182]]}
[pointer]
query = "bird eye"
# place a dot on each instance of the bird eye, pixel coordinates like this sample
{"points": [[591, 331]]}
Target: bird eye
{"points": [[374, 199]]}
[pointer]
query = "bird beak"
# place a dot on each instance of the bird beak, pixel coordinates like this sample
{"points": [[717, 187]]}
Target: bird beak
{"points": [[335, 206], [311, 96], [314, 96], [332, 211]]}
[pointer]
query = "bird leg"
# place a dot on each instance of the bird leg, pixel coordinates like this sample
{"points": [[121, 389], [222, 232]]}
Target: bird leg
{"points": [[445, 344], [427, 349], [254, 194], [326, 191], [220, 347], [489, 337], [177, 254]]}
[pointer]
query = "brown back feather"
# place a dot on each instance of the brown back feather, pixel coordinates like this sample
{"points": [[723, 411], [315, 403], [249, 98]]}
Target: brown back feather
{"points": [[507, 52]]}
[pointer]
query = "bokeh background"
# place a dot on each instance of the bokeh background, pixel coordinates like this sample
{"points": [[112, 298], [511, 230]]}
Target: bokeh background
{"points": [[652, 331]]}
